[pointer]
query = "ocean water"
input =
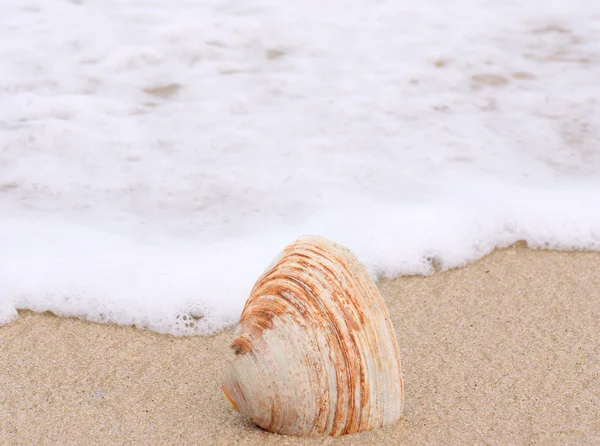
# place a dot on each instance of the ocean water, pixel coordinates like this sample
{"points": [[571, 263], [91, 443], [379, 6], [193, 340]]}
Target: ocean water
{"points": [[156, 155]]}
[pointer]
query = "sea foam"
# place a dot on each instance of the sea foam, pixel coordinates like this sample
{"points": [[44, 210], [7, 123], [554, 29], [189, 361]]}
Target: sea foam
{"points": [[155, 156]]}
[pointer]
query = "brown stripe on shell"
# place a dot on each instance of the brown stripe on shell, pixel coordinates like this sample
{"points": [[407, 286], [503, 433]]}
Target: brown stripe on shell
{"points": [[315, 349]]}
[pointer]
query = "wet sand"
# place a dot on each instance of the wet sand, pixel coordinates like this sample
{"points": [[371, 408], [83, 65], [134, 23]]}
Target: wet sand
{"points": [[502, 351]]}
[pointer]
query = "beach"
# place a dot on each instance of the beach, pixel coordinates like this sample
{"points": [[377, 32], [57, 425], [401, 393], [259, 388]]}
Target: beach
{"points": [[155, 157], [502, 351]]}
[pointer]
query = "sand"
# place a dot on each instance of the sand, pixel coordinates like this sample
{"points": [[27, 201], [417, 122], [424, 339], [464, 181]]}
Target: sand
{"points": [[502, 351]]}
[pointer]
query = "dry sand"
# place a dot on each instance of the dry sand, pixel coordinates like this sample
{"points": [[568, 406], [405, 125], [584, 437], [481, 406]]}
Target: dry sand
{"points": [[503, 351]]}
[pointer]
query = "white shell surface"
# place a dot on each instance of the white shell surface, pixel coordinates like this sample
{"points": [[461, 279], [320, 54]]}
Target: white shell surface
{"points": [[315, 351]]}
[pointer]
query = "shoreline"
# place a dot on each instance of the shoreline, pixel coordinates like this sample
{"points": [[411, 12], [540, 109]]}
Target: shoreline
{"points": [[503, 350]]}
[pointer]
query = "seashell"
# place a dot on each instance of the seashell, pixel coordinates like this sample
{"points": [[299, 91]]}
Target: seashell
{"points": [[315, 350]]}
